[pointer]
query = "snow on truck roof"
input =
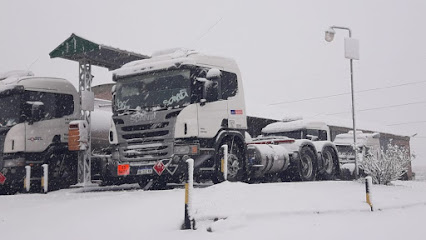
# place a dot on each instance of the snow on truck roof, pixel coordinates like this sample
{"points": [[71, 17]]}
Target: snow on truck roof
{"points": [[324, 122], [361, 138], [293, 126], [30, 82], [11, 77], [176, 57]]}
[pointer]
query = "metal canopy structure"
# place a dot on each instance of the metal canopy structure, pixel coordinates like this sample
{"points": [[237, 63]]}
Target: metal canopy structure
{"points": [[78, 49], [88, 53]]}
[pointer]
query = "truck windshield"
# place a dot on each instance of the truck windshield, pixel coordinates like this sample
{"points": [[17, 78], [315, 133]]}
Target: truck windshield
{"points": [[10, 110], [346, 150], [293, 134], [153, 91]]}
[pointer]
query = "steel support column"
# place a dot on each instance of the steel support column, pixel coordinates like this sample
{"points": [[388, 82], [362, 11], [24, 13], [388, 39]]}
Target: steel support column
{"points": [[84, 160]]}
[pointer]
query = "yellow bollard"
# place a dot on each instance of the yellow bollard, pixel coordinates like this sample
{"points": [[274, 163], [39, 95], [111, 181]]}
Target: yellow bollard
{"points": [[368, 184], [189, 221]]}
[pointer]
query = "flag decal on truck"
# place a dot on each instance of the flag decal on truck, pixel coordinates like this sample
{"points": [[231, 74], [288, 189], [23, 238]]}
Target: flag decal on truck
{"points": [[236, 112]]}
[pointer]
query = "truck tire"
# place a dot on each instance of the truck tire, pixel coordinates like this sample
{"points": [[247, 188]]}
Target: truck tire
{"points": [[329, 161], [236, 166], [307, 165], [62, 170]]}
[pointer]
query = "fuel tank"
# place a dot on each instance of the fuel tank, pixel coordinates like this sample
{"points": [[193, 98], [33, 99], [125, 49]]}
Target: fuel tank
{"points": [[100, 126], [267, 158]]}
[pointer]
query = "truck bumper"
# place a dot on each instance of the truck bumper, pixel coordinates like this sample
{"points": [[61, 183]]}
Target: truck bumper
{"points": [[174, 169], [14, 176], [13, 168]]}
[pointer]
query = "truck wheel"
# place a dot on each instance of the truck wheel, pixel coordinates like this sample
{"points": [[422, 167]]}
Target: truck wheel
{"points": [[307, 165], [62, 171], [329, 159], [235, 162]]}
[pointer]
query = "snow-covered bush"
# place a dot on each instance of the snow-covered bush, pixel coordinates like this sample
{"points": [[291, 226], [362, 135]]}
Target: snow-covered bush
{"points": [[390, 165]]}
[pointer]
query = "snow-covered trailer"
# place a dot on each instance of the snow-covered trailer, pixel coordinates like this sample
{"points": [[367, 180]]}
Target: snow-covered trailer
{"points": [[327, 128]]}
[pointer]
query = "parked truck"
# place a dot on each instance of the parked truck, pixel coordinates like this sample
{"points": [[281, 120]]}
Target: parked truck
{"points": [[367, 144], [34, 119], [167, 108], [182, 104]]}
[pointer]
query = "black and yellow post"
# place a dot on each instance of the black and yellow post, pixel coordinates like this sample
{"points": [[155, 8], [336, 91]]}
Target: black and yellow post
{"points": [[368, 183], [189, 222]]}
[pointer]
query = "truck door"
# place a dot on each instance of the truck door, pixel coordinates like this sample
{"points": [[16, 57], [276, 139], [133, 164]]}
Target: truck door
{"points": [[45, 121], [235, 100], [212, 111]]}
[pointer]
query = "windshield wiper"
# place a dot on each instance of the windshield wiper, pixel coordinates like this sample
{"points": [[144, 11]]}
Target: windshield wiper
{"points": [[159, 108], [127, 111]]}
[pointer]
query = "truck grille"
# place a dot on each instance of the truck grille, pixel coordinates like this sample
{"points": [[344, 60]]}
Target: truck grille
{"points": [[146, 141], [145, 135], [2, 138]]}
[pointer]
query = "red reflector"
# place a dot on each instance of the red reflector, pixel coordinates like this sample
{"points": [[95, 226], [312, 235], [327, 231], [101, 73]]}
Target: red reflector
{"points": [[194, 149], [73, 126], [2, 178], [123, 170]]}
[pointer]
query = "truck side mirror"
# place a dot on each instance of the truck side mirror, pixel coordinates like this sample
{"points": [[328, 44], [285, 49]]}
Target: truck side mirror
{"points": [[37, 111], [312, 137], [210, 91], [213, 73]]}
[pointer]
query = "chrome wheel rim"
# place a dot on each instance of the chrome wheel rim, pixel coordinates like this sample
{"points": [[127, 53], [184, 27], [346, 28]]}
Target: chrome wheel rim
{"points": [[307, 167], [233, 165], [328, 162]]}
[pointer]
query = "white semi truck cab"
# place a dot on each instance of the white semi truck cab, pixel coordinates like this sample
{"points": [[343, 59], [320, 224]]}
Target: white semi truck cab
{"points": [[173, 106], [367, 143], [35, 112], [183, 104]]}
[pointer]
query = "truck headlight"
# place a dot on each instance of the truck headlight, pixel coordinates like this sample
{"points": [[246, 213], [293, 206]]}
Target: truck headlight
{"points": [[115, 154], [192, 149], [18, 162]]}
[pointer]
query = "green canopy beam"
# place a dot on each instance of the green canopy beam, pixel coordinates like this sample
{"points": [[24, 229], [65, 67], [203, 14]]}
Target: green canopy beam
{"points": [[78, 49], [88, 53]]}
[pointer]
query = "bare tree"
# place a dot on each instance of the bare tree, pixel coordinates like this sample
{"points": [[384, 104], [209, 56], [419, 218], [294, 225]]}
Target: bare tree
{"points": [[388, 165]]}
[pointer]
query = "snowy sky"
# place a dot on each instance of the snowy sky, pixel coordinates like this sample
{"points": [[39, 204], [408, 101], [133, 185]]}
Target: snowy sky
{"points": [[279, 46]]}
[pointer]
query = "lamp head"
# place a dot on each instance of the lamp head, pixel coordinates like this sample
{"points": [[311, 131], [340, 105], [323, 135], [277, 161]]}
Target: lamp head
{"points": [[329, 34]]}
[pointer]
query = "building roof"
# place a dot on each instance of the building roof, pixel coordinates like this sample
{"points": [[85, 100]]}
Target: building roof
{"points": [[103, 91], [77, 48]]}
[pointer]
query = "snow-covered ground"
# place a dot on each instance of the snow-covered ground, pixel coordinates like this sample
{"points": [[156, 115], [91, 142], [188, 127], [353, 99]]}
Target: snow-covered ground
{"points": [[302, 210]]}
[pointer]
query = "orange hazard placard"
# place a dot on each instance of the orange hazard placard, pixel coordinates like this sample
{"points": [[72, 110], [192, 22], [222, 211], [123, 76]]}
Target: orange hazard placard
{"points": [[123, 169], [73, 139]]}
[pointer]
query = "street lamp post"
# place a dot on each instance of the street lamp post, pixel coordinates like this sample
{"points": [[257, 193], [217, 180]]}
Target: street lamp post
{"points": [[351, 52]]}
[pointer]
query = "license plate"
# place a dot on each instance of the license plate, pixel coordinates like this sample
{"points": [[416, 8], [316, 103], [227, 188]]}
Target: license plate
{"points": [[142, 171]]}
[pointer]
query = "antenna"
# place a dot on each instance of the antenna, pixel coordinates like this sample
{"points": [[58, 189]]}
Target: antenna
{"points": [[29, 67]]}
